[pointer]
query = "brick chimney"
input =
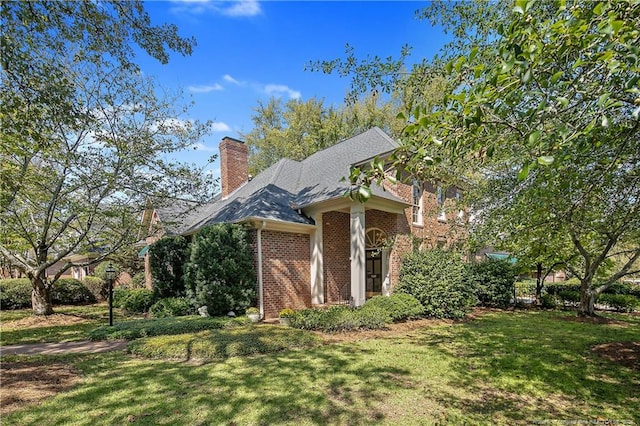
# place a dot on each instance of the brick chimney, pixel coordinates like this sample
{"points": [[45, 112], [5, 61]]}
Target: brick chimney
{"points": [[234, 165]]}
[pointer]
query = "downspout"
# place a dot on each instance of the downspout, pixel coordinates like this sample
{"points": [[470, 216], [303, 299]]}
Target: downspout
{"points": [[260, 285]]}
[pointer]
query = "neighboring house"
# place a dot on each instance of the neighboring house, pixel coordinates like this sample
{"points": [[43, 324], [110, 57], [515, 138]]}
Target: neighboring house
{"points": [[312, 244]]}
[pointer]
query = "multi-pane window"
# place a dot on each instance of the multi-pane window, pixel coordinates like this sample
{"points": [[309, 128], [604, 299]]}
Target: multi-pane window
{"points": [[417, 202]]}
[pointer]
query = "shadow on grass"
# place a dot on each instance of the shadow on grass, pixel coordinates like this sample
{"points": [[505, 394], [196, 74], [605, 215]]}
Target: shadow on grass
{"points": [[316, 386], [535, 366]]}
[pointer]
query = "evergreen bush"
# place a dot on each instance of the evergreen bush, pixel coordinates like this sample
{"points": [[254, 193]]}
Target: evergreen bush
{"points": [[440, 280], [171, 307], [15, 293], [399, 306], [494, 281], [220, 273], [135, 300], [97, 286], [167, 258], [69, 291]]}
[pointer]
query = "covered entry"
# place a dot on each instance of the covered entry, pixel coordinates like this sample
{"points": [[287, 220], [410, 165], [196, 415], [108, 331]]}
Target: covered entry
{"points": [[376, 263]]}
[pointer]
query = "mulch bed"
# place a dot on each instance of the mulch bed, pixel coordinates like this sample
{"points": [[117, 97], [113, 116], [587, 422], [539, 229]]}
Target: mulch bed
{"points": [[26, 383], [625, 353]]}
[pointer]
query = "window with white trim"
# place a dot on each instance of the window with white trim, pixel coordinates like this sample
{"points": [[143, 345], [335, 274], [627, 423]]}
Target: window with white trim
{"points": [[417, 203]]}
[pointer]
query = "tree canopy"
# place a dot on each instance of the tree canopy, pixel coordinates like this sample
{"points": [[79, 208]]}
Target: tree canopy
{"points": [[296, 129], [542, 119], [86, 137]]}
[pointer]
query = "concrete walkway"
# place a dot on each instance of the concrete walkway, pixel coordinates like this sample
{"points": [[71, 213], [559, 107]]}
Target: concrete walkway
{"points": [[84, 347]]}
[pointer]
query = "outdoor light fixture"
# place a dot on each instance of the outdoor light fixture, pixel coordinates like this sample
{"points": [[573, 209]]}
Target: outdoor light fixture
{"points": [[110, 274]]}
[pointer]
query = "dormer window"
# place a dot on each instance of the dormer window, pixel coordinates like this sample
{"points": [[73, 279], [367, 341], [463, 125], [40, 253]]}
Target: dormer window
{"points": [[417, 203]]}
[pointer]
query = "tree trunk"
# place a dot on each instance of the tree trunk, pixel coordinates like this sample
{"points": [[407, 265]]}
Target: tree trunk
{"points": [[41, 297], [587, 300], [539, 284]]}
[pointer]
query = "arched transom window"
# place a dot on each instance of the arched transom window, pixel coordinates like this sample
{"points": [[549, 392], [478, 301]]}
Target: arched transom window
{"points": [[374, 238]]}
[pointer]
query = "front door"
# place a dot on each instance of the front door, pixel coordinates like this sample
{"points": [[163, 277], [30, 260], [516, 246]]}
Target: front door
{"points": [[374, 273]]}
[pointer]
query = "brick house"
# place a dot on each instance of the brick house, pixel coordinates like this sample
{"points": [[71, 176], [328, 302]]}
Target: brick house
{"points": [[312, 245]]}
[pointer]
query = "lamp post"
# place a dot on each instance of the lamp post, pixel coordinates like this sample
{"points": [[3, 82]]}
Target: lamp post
{"points": [[110, 273]]}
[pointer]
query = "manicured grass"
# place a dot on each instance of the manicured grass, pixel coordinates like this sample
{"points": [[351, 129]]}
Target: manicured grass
{"points": [[502, 368], [89, 317], [219, 344]]}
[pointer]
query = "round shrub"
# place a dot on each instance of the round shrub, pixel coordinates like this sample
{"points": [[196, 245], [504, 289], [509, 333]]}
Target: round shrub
{"points": [[439, 280], [569, 296], [97, 286], [15, 293], [69, 291], [136, 300], [399, 306], [494, 281], [171, 307], [549, 301], [220, 274]]}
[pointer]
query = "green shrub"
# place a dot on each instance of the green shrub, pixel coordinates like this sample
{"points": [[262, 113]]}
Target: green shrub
{"points": [[569, 296], [494, 281], [399, 306], [15, 293], [220, 274], [620, 302], [97, 286], [341, 318], [69, 291], [130, 330], [549, 301], [440, 281], [167, 258], [171, 307], [100, 270], [135, 300], [526, 288], [138, 280], [570, 285]]}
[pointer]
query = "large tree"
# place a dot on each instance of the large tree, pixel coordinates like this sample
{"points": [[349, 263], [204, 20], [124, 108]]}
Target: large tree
{"points": [[296, 129], [85, 137], [544, 115]]}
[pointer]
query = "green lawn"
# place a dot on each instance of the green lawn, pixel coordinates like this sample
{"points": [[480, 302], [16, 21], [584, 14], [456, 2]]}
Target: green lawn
{"points": [[90, 317], [502, 368]]}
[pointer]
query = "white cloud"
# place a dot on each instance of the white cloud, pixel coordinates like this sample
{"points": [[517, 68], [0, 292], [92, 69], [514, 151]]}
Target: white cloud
{"points": [[205, 89], [232, 80], [202, 147], [277, 89], [233, 8], [220, 127]]}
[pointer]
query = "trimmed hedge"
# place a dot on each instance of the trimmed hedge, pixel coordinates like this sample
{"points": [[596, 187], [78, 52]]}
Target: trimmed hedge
{"points": [[130, 330], [69, 291], [440, 280], [620, 302], [494, 281], [171, 307], [15, 293], [399, 306], [135, 300], [341, 318], [97, 286]]}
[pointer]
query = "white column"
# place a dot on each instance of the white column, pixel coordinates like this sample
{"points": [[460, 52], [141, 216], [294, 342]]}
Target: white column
{"points": [[357, 254], [386, 279], [317, 268]]}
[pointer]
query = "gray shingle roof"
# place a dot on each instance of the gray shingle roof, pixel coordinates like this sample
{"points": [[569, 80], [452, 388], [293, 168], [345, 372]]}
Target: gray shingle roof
{"points": [[287, 186]]}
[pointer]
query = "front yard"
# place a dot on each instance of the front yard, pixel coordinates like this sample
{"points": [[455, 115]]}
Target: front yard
{"points": [[497, 367]]}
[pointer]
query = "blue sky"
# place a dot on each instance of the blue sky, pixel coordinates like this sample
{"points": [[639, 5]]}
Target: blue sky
{"points": [[249, 51]]}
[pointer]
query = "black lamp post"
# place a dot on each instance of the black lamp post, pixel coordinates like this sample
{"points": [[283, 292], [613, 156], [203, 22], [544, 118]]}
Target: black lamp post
{"points": [[110, 274]]}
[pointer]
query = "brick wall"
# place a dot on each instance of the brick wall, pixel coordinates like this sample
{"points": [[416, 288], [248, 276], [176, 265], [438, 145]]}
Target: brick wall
{"points": [[337, 251], [286, 268], [234, 166]]}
